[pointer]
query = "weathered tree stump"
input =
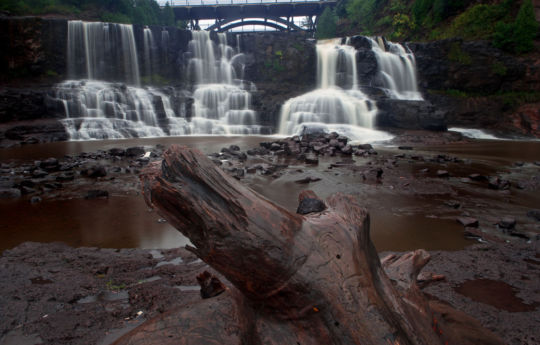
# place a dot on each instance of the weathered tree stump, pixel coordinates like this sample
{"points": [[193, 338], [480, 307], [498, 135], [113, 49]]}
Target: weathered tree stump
{"points": [[313, 279]]}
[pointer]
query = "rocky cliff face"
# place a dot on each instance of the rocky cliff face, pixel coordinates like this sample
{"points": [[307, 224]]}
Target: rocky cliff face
{"points": [[480, 86], [282, 65]]}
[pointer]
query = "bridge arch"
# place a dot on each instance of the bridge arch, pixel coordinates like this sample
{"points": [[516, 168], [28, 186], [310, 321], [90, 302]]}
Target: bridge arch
{"points": [[273, 22]]}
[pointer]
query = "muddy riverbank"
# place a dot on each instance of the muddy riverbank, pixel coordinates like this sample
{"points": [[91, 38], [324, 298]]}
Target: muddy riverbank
{"points": [[442, 193]]}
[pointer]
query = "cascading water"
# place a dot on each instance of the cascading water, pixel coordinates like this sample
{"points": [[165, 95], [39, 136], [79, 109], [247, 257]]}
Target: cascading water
{"points": [[149, 48], [221, 105], [98, 109], [397, 70], [331, 107], [102, 51], [103, 110]]}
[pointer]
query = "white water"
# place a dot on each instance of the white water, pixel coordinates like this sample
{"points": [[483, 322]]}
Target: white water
{"points": [[347, 111], [149, 51], [103, 110], [397, 70], [102, 51], [221, 104], [474, 133]]}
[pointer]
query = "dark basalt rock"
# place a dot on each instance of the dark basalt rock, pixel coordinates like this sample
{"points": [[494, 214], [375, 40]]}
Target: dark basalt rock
{"points": [[410, 115], [135, 151]]}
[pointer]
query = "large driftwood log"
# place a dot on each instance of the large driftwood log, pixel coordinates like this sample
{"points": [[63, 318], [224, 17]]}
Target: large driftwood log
{"points": [[314, 279]]}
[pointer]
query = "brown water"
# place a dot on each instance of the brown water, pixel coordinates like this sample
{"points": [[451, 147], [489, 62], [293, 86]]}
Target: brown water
{"points": [[206, 144], [125, 221]]}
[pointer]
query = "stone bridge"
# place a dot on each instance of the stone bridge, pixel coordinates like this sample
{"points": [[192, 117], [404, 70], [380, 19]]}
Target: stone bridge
{"points": [[229, 14]]}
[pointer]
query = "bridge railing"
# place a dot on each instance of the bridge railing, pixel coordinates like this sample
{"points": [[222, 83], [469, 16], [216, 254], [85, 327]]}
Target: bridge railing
{"points": [[181, 3]]}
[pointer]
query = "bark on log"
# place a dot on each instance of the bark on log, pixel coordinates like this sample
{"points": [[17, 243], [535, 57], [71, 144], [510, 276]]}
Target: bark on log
{"points": [[313, 279]]}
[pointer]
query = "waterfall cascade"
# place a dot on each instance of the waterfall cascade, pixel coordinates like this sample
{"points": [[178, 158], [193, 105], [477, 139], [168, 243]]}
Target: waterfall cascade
{"points": [[397, 69], [149, 52], [104, 110], [102, 51], [337, 104], [221, 105], [100, 109]]}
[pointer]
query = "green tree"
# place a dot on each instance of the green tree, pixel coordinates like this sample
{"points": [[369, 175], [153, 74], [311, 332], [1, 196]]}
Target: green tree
{"points": [[526, 28], [517, 36], [167, 15], [326, 27]]}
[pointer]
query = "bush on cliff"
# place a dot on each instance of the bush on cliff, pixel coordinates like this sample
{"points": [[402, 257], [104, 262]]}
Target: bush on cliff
{"points": [[326, 27], [518, 36]]}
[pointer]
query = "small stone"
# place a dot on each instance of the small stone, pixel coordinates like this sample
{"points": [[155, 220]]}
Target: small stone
{"points": [[135, 151], [95, 171], [310, 205], [452, 203], [507, 223], [96, 193], [468, 222], [535, 214], [443, 173], [38, 173], [117, 152], [477, 177], [10, 193], [311, 159], [35, 200]]}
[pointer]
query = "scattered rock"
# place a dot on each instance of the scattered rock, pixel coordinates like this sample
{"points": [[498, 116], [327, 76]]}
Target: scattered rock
{"points": [[96, 193], [211, 286], [477, 177], [135, 151], [405, 147], [468, 222], [443, 173], [498, 183], [10, 193], [38, 173], [35, 200], [307, 180], [117, 152], [309, 203], [452, 203], [535, 214], [50, 164], [507, 223], [95, 171], [311, 159]]}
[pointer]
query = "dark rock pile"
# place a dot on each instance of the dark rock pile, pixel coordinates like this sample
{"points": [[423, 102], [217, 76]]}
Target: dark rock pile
{"points": [[87, 175]]}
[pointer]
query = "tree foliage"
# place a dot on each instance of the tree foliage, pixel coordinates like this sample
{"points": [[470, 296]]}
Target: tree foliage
{"points": [[518, 36], [146, 12], [327, 24]]}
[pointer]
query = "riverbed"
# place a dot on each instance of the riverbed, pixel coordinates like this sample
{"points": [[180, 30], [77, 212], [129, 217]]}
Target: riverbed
{"points": [[407, 207]]}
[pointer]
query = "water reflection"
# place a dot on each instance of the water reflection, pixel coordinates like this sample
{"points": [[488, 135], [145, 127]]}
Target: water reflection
{"points": [[119, 222]]}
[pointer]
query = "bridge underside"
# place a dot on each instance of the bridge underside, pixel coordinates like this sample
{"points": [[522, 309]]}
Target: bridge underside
{"points": [[224, 15], [273, 22]]}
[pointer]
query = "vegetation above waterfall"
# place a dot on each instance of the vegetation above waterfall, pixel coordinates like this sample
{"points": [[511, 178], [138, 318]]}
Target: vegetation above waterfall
{"points": [[145, 12], [509, 24]]}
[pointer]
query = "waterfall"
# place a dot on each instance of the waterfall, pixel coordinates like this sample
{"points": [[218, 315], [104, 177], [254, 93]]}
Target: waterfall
{"points": [[102, 51], [221, 105], [397, 70], [165, 44], [104, 110], [149, 48], [337, 104]]}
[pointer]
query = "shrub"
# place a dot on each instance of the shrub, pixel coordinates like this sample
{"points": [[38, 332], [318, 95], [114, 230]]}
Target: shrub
{"points": [[517, 36], [326, 28]]}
